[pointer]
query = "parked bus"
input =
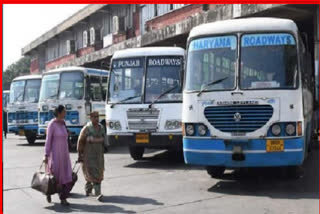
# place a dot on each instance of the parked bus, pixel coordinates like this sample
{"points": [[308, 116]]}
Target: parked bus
{"points": [[145, 98], [23, 105], [81, 90], [247, 99]]}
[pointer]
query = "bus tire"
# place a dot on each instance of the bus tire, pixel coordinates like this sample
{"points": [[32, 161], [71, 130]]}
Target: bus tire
{"points": [[215, 171], [31, 138], [136, 152], [295, 172]]}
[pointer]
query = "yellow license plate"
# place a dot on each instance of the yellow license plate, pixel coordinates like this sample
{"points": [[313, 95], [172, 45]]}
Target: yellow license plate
{"points": [[275, 146], [142, 138], [21, 132]]}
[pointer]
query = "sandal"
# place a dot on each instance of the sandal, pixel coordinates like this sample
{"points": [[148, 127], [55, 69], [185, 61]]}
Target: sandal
{"points": [[64, 202]]}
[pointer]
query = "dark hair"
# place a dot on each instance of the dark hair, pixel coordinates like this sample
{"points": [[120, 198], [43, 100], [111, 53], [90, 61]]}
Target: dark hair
{"points": [[58, 110]]}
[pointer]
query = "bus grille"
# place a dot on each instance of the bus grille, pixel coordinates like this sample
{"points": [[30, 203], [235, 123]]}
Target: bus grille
{"points": [[142, 118], [238, 118]]}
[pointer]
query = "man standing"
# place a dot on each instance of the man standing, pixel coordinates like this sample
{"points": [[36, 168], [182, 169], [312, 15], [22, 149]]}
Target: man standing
{"points": [[90, 151]]}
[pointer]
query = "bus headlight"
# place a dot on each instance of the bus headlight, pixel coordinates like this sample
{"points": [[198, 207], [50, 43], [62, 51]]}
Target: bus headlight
{"points": [[114, 125], [276, 130], [44, 108], [290, 129], [190, 129], [68, 107], [202, 130], [173, 124]]}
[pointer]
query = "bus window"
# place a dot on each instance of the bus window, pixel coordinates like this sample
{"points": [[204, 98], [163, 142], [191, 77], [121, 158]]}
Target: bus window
{"points": [[126, 80], [163, 73], [32, 91], [211, 59], [71, 85], [95, 88], [271, 60], [17, 91]]}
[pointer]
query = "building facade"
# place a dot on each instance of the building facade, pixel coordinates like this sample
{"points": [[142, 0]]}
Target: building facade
{"points": [[91, 36]]}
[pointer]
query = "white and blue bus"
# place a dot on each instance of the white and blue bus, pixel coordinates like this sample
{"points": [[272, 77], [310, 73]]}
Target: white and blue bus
{"points": [[81, 90], [145, 99], [23, 105], [247, 99]]}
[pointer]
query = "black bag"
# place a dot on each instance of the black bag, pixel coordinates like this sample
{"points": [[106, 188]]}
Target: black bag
{"points": [[75, 174], [44, 182]]}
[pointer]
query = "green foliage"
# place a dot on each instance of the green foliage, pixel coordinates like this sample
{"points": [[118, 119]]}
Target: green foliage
{"points": [[19, 68]]}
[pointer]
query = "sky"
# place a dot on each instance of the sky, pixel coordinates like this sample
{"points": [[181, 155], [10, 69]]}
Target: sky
{"points": [[23, 23]]}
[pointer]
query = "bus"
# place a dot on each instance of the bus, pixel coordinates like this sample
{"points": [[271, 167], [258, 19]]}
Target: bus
{"points": [[81, 90], [145, 98], [23, 105], [247, 100]]}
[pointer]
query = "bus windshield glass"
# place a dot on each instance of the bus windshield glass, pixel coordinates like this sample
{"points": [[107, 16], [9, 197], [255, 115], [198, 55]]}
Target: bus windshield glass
{"points": [[126, 79], [211, 63], [32, 91], [71, 85], [49, 87], [17, 90], [163, 73], [268, 61]]}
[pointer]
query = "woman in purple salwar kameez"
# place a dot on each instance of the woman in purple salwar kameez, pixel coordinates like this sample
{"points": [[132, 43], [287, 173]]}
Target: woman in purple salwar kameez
{"points": [[57, 154]]}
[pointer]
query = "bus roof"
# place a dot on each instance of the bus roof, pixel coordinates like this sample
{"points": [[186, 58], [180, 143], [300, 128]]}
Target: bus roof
{"points": [[149, 51], [78, 68], [244, 25], [27, 77]]}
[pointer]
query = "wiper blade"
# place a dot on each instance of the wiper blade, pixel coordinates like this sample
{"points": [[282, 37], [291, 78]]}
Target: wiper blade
{"points": [[211, 83], [126, 99], [164, 93]]}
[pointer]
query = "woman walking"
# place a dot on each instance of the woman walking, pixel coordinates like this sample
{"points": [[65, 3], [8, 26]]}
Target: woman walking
{"points": [[90, 148], [57, 155]]}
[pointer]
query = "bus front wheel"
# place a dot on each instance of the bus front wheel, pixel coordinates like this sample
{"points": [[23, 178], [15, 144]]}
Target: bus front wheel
{"points": [[31, 138], [136, 152], [215, 171]]}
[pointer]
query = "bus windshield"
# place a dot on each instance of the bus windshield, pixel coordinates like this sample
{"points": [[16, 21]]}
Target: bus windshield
{"points": [[16, 91], [32, 91], [49, 87], [163, 73], [126, 79], [268, 61], [211, 59], [71, 85]]}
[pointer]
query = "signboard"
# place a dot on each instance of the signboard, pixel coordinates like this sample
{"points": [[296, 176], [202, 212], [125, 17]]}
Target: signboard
{"points": [[157, 62], [214, 43], [270, 39]]}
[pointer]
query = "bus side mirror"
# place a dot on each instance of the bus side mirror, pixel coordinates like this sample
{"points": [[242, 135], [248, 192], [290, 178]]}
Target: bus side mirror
{"points": [[305, 40]]}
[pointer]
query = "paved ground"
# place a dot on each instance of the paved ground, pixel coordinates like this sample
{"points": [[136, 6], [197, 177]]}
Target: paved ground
{"points": [[160, 184]]}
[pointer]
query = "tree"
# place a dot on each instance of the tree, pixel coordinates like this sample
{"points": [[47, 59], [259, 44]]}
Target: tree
{"points": [[19, 68]]}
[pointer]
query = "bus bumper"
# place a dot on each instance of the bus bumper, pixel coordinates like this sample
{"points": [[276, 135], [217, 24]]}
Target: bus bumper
{"points": [[217, 152], [23, 130], [156, 141]]}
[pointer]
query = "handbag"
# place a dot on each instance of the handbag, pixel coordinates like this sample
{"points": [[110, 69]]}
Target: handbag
{"points": [[75, 174], [44, 182]]}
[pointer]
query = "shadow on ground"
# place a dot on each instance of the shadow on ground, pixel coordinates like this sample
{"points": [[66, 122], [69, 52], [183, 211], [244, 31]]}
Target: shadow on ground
{"points": [[86, 208], [166, 160], [272, 182]]}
